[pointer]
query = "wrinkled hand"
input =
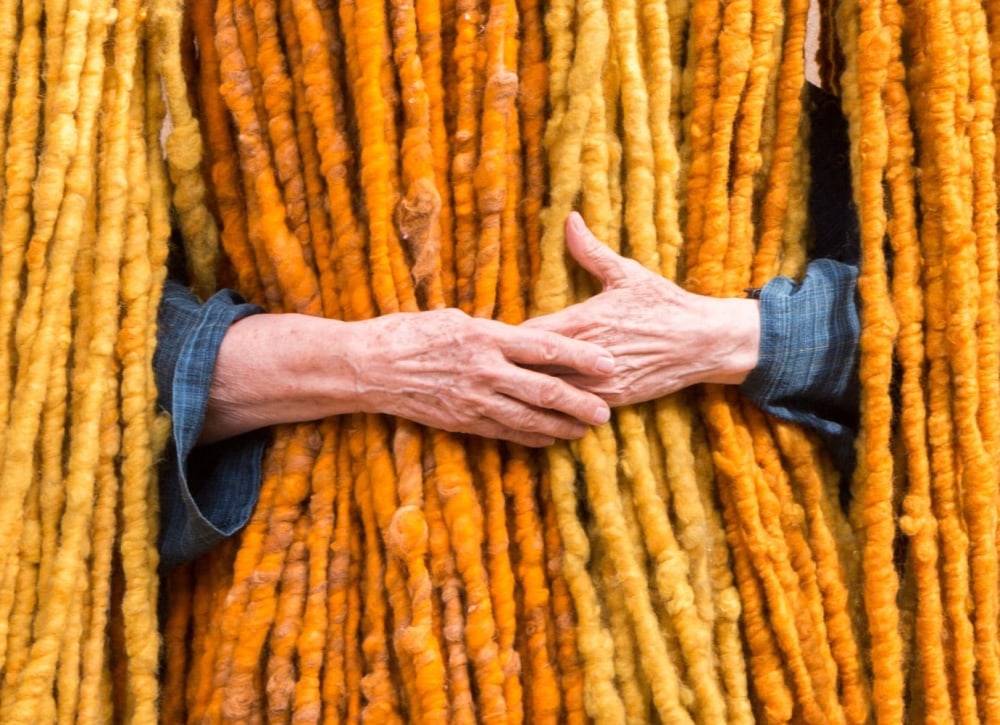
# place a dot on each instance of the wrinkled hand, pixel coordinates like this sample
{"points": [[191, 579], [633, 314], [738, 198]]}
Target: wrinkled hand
{"points": [[662, 337], [463, 374]]}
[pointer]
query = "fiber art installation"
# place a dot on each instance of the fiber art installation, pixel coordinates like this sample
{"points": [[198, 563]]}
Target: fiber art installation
{"points": [[692, 561]]}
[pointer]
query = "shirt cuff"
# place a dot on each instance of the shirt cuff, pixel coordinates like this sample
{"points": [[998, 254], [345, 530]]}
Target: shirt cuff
{"points": [[207, 493], [807, 369]]}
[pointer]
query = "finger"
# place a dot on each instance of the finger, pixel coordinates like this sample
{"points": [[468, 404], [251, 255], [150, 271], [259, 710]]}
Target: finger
{"points": [[550, 393], [540, 347], [592, 255], [516, 415]]}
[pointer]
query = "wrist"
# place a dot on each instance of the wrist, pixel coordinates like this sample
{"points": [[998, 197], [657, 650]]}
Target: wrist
{"points": [[324, 361], [740, 340], [363, 367], [274, 369]]}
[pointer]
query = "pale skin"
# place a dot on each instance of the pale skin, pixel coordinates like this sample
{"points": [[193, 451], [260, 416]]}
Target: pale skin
{"points": [[441, 368], [641, 338], [663, 338]]}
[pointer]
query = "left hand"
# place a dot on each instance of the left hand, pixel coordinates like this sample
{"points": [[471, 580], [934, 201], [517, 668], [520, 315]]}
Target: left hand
{"points": [[662, 337]]}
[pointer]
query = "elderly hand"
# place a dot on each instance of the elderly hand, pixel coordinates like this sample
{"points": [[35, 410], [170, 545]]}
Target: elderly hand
{"points": [[464, 374], [441, 368], [662, 337]]}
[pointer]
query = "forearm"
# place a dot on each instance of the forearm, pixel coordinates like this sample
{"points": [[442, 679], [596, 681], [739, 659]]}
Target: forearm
{"points": [[440, 368], [286, 368]]}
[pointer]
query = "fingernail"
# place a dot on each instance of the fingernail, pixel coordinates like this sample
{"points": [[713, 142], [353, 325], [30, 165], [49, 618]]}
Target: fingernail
{"points": [[576, 223], [604, 365], [601, 415]]}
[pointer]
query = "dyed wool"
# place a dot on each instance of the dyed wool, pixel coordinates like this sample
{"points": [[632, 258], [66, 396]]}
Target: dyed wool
{"points": [[688, 561]]}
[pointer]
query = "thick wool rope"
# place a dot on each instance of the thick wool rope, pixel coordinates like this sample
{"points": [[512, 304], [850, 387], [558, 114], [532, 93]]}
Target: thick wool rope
{"points": [[595, 159], [137, 542], [752, 136], [627, 671], [701, 80], [945, 456], [184, 153], [980, 496], [219, 146], [16, 226], [728, 608], [919, 521], [831, 581], [660, 76], [776, 201], [18, 177], [8, 51], [788, 517], [465, 153], [501, 576], [607, 508], [639, 186], [543, 698], [866, 117]]}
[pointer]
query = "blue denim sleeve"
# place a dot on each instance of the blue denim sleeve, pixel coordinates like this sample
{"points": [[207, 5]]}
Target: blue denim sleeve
{"points": [[807, 371], [207, 492]]}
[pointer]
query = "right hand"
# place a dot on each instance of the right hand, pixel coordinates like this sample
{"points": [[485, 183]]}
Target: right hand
{"points": [[447, 370], [663, 338]]}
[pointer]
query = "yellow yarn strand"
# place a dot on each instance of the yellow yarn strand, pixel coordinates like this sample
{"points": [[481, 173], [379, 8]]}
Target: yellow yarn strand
{"points": [[604, 703], [183, 151], [18, 180], [866, 119]]}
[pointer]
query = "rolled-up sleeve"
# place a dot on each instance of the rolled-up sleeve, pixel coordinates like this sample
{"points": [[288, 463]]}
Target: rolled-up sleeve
{"points": [[207, 492], [807, 369]]}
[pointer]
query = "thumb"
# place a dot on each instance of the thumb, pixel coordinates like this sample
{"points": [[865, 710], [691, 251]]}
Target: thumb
{"points": [[592, 255]]}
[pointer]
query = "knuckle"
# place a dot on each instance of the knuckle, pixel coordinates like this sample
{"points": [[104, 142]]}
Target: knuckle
{"points": [[549, 350], [465, 330], [472, 337], [483, 371], [490, 377], [488, 330], [453, 320], [549, 394]]}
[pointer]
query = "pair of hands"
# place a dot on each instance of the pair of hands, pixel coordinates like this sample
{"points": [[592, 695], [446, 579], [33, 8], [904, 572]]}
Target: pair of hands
{"points": [[641, 338]]}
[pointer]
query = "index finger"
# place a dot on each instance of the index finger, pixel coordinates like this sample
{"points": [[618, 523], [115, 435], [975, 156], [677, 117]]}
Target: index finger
{"points": [[540, 347]]}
